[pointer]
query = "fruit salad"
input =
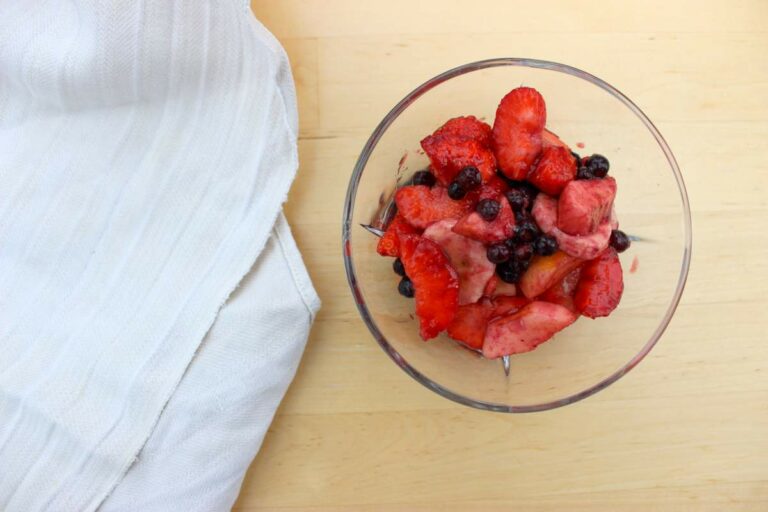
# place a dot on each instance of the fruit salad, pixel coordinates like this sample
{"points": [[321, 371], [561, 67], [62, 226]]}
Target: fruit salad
{"points": [[508, 237]]}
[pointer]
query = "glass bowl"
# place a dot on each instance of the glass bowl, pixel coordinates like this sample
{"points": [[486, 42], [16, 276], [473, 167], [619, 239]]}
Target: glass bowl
{"points": [[592, 117]]}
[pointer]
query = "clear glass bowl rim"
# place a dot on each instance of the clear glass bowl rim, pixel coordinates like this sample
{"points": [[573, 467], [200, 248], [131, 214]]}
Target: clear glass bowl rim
{"points": [[349, 210]]}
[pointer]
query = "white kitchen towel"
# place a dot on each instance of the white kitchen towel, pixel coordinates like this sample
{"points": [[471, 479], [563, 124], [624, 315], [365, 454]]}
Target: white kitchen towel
{"points": [[146, 149], [213, 424]]}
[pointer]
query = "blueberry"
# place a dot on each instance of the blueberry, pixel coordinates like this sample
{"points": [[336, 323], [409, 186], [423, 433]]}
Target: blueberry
{"points": [[528, 190], [398, 267], [545, 245], [498, 253], [509, 272], [522, 216], [598, 165], [584, 173], [424, 178], [523, 254], [526, 231], [406, 287], [469, 178], [620, 241], [518, 199], [456, 191], [488, 209]]}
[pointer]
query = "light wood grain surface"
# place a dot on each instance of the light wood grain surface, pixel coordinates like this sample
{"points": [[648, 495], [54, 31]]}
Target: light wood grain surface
{"points": [[687, 429]]}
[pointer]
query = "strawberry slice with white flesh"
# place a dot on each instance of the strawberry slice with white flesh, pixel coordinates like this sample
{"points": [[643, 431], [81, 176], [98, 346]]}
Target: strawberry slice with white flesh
{"points": [[467, 257], [526, 329]]}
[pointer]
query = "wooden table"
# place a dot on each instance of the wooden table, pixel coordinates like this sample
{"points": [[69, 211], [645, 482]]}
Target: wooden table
{"points": [[688, 429]]}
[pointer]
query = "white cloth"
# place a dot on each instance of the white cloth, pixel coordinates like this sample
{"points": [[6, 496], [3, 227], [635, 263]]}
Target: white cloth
{"points": [[146, 149]]}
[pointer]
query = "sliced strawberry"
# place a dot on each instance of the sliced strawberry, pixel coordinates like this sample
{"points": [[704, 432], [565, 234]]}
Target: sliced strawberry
{"points": [[524, 107], [490, 286], [502, 227], [408, 244], [601, 285], [584, 204], [466, 256], [545, 271], [504, 305], [583, 247], [450, 153], [420, 206], [468, 326], [520, 119], [389, 244], [549, 139], [467, 127], [495, 287], [492, 188], [562, 292], [525, 330], [554, 170], [435, 282], [518, 153]]}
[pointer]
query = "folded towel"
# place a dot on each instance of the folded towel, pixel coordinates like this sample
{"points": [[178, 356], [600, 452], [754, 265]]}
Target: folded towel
{"points": [[145, 152]]}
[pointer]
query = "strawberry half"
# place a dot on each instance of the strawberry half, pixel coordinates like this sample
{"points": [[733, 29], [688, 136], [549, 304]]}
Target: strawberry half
{"points": [[520, 119], [583, 247], [435, 282], [466, 256], [584, 204], [502, 227], [504, 305], [389, 244], [468, 326], [449, 153], [420, 206], [554, 170], [467, 127], [600, 286], [525, 330], [550, 139]]}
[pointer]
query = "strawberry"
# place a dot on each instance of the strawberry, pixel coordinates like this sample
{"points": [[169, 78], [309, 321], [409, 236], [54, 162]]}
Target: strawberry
{"points": [[520, 119], [492, 188], [550, 139], [495, 287], [524, 107], [466, 256], [584, 204], [449, 153], [554, 170], [468, 326], [502, 227], [505, 305], [420, 206], [545, 271], [600, 286], [562, 292], [517, 153], [435, 282], [583, 247], [389, 244], [525, 330], [468, 127]]}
